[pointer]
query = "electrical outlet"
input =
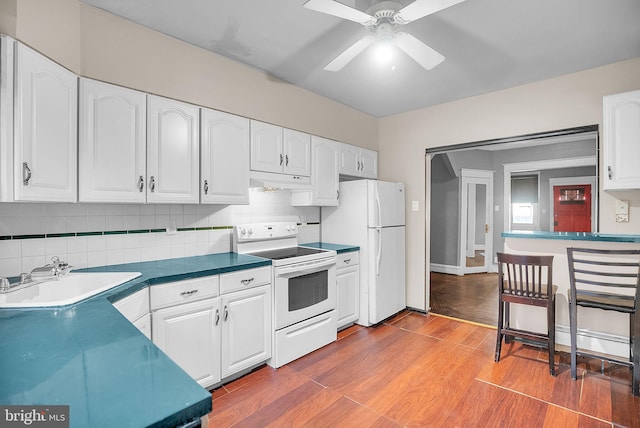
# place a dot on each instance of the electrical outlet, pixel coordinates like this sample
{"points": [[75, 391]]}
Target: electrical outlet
{"points": [[171, 228], [622, 211]]}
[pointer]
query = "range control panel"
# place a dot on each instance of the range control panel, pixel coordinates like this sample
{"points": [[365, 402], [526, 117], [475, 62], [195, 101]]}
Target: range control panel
{"points": [[265, 231]]}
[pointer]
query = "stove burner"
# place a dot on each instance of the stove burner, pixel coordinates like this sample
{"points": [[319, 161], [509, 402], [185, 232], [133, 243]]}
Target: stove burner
{"points": [[286, 253]]}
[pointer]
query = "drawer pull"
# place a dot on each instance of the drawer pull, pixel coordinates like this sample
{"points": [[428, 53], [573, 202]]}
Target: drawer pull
{"points": [[188, 293], [347, 261], [246, 281]]}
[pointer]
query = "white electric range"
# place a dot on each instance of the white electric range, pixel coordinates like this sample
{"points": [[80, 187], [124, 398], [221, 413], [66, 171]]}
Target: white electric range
{"points": [[304, 288]]}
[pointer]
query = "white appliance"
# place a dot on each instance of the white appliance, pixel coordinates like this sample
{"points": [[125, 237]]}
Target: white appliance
{"points": [[371, 215], [304, 288]]}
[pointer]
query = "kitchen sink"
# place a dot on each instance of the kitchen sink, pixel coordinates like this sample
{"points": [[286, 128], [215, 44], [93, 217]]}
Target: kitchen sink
{"points": [[70, 288]]}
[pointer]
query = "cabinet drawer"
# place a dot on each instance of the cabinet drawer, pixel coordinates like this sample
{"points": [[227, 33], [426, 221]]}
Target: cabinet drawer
{"points": [[347, 259], [190, 290], [135, 305], [242, 279]]}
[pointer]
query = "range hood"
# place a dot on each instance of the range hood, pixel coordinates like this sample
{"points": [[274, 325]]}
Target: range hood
{"points": [[279, 181]]}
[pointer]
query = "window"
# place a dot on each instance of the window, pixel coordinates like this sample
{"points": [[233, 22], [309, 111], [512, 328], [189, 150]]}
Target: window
{"points": [[524, 200]]}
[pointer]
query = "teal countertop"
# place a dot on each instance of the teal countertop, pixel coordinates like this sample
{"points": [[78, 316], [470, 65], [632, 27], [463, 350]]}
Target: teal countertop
{"points": [[571, 236], [88, 356], [338, 248]]}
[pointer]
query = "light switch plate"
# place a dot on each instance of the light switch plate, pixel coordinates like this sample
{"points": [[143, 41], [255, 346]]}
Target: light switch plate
{"points": [[415, 206], [622, 211]]}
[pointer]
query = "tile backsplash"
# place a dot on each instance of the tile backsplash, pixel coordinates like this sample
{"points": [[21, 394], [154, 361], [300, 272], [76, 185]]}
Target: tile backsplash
{"points": [[87, 235]]}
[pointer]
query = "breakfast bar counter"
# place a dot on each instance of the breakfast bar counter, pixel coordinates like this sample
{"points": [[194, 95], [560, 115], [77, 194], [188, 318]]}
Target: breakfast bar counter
{"points": [[599, 331]]}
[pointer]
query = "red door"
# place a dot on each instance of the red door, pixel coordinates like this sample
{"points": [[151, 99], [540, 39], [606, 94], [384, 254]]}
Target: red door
{"points": [[572, 208]]}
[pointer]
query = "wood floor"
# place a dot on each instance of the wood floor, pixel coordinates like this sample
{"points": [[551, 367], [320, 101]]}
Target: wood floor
{"points": [[421, 370], [472, 297]]}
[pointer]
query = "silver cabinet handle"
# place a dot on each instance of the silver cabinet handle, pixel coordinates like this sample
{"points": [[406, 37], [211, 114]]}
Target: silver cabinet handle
{"points": [[286, 160], [337, 194], [246, 281], [141, 183], [26, 173], [610, 172], [281, 159], [189, 293], [206, 186], [217, 316], [226, 312], [152, 184], [347, 261]]}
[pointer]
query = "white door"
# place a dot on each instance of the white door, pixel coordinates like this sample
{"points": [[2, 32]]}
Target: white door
{"points": [[386, 272], [112, 144], [297, 153], [173, 148], [325, 172], [246, 329], [46, 135], [386, 204], [266, 147], [224, 158], [476, 221], [348, 302], [190, 335], [368, 164], [621, 141]]}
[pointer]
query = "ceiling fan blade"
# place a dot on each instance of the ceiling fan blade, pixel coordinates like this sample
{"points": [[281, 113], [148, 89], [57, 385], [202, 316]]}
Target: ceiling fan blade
{"points": [[421, 53], [340, 10], [421, 8], [349, 54]]}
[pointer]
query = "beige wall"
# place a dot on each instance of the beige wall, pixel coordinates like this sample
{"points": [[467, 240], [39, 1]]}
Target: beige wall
{"points": [[563, 102], [96, 44]]}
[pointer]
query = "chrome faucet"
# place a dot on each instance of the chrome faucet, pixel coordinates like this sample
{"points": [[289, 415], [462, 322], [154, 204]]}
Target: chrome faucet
{"points": [[53, 270]]}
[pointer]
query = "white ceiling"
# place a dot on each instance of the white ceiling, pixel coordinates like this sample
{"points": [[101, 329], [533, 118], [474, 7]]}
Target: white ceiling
{"points": [[488, 44]]}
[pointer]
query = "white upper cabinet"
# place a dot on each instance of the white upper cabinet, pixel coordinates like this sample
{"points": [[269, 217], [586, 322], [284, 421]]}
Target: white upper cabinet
{"points": [[621, 141], [45, 129], [224, 152], [324, 175], [112, 144], [173, 135], [278, 150], [297, 153], [358, 162]]}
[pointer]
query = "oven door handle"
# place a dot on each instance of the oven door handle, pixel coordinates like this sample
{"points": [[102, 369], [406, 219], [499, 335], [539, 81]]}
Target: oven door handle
{"points": [[305, 268]]}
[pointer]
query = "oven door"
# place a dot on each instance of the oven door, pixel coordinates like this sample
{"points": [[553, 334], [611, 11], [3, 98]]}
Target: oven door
{"points": [[304, 290]]}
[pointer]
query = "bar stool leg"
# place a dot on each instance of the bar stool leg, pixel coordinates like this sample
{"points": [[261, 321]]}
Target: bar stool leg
{"points": [[634, 333], [500, 324], [573, 332], [551, 334]]}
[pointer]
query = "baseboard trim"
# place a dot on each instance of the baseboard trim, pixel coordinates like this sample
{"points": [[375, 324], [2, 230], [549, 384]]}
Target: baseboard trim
{"points": [[449, 269], [594, 341]]}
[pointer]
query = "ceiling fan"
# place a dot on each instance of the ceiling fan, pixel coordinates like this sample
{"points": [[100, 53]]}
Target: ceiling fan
{"points": [[383, 20]]}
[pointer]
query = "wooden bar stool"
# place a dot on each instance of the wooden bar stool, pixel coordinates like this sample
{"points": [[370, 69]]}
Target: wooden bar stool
{"points": [[526, 280], [608, 280]]}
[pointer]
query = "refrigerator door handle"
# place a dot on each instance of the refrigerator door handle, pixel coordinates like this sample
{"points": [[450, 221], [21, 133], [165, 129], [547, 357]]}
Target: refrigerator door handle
{"points": [[379, 222], [379, 252]]}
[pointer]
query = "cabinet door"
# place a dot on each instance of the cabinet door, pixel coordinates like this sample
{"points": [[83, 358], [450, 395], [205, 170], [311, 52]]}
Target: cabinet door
{"points": [[621, 141], [348, 304], [246, 329], [368, 163], [266, 147], [112, 145], [224, 151], [46, 136], [325, 172], [190, 335], [172, 151], [349, 160], [297, 153]]}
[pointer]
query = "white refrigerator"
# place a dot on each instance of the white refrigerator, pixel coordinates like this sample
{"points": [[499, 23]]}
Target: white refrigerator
{"points": [[371, 215]]}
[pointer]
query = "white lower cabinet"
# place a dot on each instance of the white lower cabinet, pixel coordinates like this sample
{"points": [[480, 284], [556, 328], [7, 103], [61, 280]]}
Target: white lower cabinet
{"points": [[213, 336], [189, 334], [135, 308], [246, 329], [348, 285]]}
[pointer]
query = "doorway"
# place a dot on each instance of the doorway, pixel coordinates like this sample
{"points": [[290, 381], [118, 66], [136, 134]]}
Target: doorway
{"points": [[476, 221], [572, 208]]}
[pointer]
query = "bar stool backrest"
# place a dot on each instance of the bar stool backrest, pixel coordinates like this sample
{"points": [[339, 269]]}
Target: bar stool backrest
{"points": [[525, 276]]}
